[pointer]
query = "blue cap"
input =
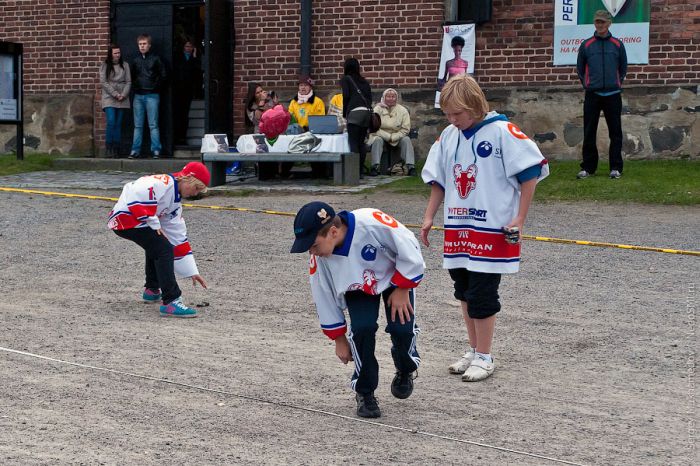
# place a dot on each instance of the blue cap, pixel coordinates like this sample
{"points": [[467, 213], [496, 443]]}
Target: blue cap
{"points": [[309, 221]]}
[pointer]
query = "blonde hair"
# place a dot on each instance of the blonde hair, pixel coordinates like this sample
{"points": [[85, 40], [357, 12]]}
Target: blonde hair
{"points": [[195, 182], [463, 92]]}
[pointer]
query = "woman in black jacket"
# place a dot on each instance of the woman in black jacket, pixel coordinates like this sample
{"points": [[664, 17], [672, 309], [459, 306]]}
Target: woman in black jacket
{"points": [[357, 96]]}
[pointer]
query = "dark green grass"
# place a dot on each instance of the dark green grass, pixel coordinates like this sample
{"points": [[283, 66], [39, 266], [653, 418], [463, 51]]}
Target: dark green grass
{"points": [[672, 182], [9, 165]]}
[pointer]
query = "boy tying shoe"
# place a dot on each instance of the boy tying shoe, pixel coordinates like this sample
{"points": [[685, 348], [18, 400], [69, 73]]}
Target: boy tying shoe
{"points": [[356, 257], [149, 213], [486, 170]]}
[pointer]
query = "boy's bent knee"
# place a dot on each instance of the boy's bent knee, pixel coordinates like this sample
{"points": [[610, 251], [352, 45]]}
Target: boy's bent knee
{"points": [[479, 290]]}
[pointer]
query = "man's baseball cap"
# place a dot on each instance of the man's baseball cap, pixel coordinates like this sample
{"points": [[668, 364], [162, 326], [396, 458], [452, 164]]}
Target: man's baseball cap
{"points": [[603, 15], [196, 169], [309, 221]]}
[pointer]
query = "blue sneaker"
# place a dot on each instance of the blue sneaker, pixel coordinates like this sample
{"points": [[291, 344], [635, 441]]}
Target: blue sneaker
{"points": [[177, 309], [151, 295]]}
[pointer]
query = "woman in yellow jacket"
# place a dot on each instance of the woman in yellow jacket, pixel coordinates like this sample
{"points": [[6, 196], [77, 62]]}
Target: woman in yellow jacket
{"points": [[306, 103]]}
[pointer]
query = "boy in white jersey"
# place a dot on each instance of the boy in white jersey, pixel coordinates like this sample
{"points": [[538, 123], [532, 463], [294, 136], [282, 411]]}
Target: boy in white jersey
{"points": [[149, 213], [486, 170], [356, 258]]}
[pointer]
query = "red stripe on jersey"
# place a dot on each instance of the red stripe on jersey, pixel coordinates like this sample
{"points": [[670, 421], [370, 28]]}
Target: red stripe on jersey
{"points": [[335, 333], [401, 281], [181, 250], [143, 210], [124, 222], [492, 245]]}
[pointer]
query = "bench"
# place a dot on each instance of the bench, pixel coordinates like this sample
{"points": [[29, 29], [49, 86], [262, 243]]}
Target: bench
{"points": [[346, 166]]}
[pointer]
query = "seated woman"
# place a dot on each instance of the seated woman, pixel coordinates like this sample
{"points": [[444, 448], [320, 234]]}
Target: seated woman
{"points": [[335, 107], [257, 101], [305, 103], [396, 123]]}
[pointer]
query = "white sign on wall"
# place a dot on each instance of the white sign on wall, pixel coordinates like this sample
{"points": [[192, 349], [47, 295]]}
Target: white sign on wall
{"points": [[573, 23]]}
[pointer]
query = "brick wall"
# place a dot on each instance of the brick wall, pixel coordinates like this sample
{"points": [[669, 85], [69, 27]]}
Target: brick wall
{"points": [[397, 43], [64, 42]]}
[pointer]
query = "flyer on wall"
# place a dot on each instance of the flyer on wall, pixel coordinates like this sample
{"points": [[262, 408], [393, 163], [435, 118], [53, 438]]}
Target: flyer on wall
{"points": [[457, 57]]}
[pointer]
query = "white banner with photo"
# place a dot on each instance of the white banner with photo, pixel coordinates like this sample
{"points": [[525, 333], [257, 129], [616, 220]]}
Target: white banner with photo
{"points": [[573, 23], [457, 57]]}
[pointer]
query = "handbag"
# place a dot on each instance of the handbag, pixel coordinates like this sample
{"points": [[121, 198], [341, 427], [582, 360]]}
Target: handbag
{"points": [[366, 118], [303, 143]]}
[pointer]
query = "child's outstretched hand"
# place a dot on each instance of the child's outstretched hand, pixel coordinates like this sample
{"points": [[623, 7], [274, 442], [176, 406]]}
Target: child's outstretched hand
{"points": [[424, 230], [400, 303], [342, 349], [198, 279]]}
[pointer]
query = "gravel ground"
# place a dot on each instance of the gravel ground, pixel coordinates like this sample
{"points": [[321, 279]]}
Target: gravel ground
{"points": [[595, 347]]}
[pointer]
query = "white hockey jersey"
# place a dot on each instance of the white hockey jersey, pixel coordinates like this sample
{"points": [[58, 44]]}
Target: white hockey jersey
{"points": [[154, 202], [482, 193], [377, 252]]}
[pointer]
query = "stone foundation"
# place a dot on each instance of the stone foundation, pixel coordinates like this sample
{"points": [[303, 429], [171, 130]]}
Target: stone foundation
{"points": [[657, 122], [57, 124]]}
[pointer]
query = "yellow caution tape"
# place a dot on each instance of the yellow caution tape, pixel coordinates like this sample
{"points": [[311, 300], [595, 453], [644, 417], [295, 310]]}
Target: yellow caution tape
{"points": [[290, 214]]}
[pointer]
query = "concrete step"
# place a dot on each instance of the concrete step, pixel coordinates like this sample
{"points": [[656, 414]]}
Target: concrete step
{"points": [[198, 104], [191, 153], [196, 113], [124, 165]]}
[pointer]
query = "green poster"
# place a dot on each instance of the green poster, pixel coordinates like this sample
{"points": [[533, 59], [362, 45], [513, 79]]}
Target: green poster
{"points": [[622, 11]]}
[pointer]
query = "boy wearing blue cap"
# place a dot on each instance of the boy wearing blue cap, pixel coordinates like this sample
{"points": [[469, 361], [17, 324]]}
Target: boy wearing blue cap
{"points": [[356, 257]]}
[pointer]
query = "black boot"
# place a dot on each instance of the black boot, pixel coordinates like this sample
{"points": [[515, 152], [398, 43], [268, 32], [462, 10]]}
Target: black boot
{"points": [[402, 385], [367, 405]]}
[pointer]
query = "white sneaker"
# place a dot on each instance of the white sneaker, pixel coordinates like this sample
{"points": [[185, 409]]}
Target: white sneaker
{"points": [[614, 174], [583, 174], [478, 370], [460, 366]]}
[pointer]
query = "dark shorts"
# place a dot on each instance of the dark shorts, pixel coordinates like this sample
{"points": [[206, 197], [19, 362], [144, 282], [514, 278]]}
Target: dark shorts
{"points": [[479, 290]]}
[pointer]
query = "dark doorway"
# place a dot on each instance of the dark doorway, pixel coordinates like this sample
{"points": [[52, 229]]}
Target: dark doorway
{"points": [[171, 23]]}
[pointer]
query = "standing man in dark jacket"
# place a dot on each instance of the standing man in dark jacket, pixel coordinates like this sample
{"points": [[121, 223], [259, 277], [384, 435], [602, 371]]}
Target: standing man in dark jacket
{"points": [[187, 82], [148, 76], [602, 66]]}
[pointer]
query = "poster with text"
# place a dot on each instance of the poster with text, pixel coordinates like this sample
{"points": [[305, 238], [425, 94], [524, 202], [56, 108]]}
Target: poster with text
{"points": [[573, 23], [8, 99], [457, 56]]}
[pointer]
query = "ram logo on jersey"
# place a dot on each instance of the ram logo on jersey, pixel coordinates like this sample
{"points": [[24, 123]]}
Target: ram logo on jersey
{"points": [[484, 149], [369, 252], [465, 180], [369, 283]]}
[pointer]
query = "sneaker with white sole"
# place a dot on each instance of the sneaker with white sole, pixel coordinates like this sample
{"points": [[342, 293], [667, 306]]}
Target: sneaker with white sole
{"points": [[177, 309], [614, 174], [460, 366], [583, 174], [478, 370], [151, 295]]}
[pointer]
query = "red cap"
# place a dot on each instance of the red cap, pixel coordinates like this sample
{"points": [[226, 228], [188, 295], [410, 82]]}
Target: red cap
{"points": [[196, 169]]}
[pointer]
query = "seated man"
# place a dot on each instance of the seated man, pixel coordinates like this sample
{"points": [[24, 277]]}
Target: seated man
{"points": [[396, 123]]}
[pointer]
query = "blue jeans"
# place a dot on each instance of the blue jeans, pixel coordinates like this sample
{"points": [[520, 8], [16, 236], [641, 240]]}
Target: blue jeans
{"points": [[113, 135], [364, 312], [146, 104]]}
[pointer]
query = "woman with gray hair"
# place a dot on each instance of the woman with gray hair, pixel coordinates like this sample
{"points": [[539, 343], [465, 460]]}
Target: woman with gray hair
{"points": [[393, 134]]}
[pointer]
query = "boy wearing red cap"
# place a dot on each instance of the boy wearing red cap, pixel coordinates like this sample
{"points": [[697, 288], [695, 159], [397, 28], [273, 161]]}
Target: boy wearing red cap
{"points": [[358, 258], [149, 213]]}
